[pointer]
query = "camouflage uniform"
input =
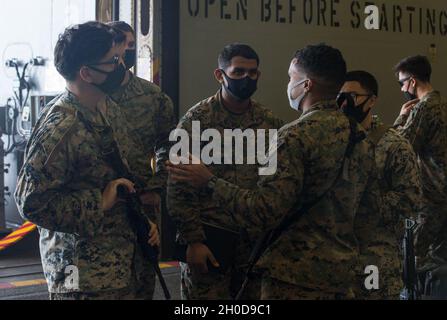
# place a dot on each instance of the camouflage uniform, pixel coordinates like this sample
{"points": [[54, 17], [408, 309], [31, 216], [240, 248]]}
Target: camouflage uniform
{"points": [[149, 115], [381, 235], [60, 189], [317, 256], [426, 129], [190, 208]]}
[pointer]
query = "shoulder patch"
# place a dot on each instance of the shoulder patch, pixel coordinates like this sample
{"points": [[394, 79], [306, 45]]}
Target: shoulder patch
{"points": [[50, 135]]}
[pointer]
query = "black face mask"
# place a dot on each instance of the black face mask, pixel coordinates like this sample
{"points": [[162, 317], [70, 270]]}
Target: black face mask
{"points": [[410, 96], [113, 81], [241, 89], [130, 58], [347, 104]]}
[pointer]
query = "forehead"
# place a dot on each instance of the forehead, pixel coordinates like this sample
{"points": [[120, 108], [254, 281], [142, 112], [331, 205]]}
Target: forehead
{"points": [[241, 62], [293, 69], [116, 50], [129, 36], [353, 86], [403, 75]]}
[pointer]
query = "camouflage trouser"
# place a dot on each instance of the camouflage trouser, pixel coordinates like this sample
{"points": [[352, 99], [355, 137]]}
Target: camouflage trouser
{"points": [[141, 288], [144, 283], [216, 286], [274, 289], [390, 278], [120, 294], [389, 289]]}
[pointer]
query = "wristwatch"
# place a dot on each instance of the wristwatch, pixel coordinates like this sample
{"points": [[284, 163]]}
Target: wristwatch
{"points": [[212, 182]]}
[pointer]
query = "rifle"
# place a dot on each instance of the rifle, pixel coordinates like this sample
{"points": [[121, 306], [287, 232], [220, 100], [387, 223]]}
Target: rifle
{"points": [[138, 220], [409, 276]]}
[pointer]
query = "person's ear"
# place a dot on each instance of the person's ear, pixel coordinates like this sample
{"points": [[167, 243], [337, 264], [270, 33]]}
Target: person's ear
{"points": [[218, 74], [413, 82], [308, 85], [85, 74], [259, 74], [372, 102]]}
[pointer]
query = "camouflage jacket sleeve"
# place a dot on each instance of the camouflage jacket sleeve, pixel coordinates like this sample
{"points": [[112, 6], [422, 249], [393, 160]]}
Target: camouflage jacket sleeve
{"points": [[183, 202], [43, 195], [165, 122], [400, 121], [404, 197], [273, 198], [419, 126]]}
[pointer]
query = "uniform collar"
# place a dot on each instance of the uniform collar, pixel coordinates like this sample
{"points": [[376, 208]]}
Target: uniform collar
{"points": [[433, 95], [322, 105], [130, 90], [253, 116], [94, 118]]}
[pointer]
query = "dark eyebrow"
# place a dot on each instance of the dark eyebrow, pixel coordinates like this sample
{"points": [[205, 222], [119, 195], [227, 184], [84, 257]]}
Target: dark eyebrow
{"points": [[244, 70]]}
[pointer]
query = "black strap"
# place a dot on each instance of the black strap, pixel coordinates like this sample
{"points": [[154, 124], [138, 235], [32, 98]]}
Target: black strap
{"points": [[355, 137]]}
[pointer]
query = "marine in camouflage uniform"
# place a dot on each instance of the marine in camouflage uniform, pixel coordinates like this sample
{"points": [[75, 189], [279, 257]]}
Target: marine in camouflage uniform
{"points": [[316, 257], [381, 235], [189, 208], [426, 129], [60, 189], [149, 117]]}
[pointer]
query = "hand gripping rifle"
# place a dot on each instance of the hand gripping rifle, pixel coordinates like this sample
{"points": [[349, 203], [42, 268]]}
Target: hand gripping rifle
{"points": [[138, 220]]}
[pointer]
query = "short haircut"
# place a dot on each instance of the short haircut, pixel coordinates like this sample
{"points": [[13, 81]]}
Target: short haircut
{"points": [[81, 45], [236, 50], [122, 26], [416, 66], [367, 81], [325, 65]]}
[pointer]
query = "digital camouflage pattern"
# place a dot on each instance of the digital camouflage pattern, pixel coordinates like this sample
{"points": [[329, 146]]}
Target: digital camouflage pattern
{"points": [[189, 208], [149, 119], [381, 235], [60, 189], [399, 176], [273, 289], [150, 115], [319, 253], [426, 129]]}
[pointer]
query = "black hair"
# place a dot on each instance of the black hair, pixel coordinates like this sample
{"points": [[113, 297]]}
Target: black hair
{"points": [[81, 45], [325, 65], [416, 66], [236, 50], [366, 80], [122, 26]]}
